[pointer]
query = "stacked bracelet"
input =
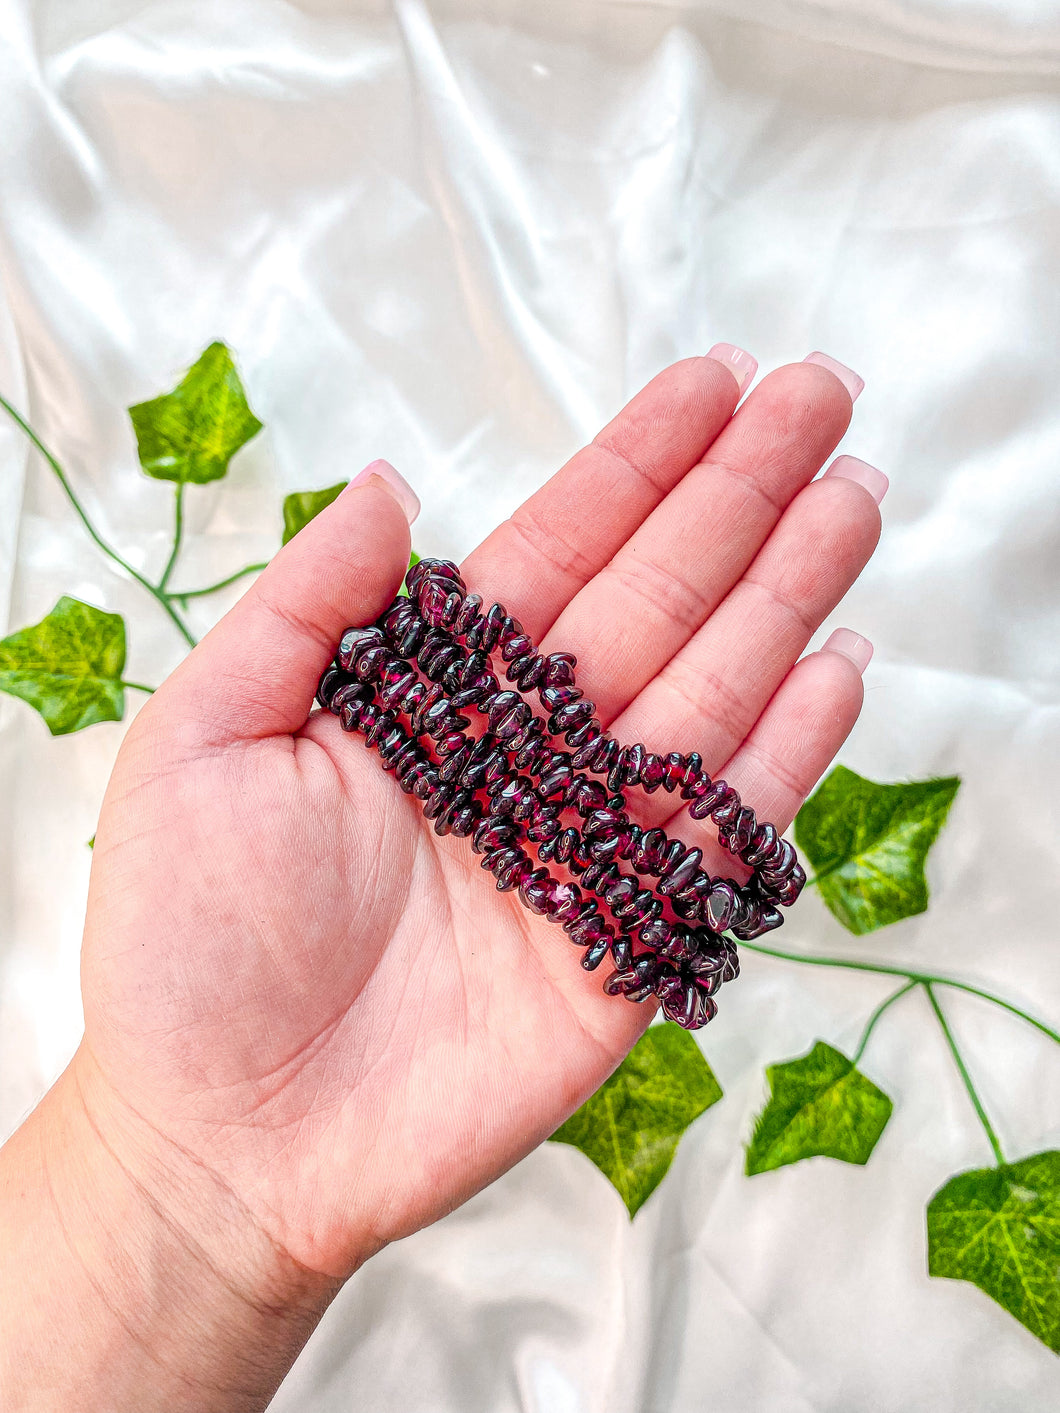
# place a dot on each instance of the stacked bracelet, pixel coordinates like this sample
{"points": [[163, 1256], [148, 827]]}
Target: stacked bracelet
{"points": [[509, 788]]}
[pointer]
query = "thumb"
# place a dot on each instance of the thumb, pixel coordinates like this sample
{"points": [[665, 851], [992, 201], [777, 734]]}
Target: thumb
{"points": [[255, 673]]}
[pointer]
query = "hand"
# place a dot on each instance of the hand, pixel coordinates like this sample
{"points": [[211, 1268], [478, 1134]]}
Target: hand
{"points": [[295, 992]]}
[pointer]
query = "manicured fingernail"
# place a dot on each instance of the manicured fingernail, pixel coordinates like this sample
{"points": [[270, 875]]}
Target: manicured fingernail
{"points": [[846, 376], [739, 363], [871, 477], [852, 645], [395, 483]]}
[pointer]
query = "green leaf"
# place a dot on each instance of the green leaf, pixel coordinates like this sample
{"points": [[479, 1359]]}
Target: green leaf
{"points": [[301, 506], [867, 844], [1000, 1229], [192, 433], [68, 666], [631, 1126], [92, 842], [819, 1106]]}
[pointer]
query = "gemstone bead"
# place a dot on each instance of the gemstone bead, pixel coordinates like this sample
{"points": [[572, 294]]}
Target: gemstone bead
{"points": [[635, 983], [656, 933], [762, 845], [518, 645], [693, 769], [469, 611], [559, 669], [511, 628], [616, 776], [636, 757], [566, 718], [369, 662], [652, 772], [514, 876], [621, 894], [622, 951], [675, 771], [743, 829], [581, 735], [546, 826], [553, 698], [681, 945], [720, 905], [431, 601], [492, 624], [595, 954], [767, 919], [681, 872], [493, 834], [329, 683], [648, 857], [586, 795], [533, 674], [530, 750], [501, 704], [354, 641], [355, 692], [456, 808]]}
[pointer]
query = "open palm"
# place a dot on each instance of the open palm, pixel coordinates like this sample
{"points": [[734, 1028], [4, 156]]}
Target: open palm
{"points": [[288, 977]]}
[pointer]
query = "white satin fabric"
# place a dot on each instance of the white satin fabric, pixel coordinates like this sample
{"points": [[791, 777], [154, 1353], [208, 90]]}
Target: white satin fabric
{"points": [[459, 235]]}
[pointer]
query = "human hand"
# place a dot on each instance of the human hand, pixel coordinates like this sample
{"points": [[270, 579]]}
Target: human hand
{"points": [[296, 992]]}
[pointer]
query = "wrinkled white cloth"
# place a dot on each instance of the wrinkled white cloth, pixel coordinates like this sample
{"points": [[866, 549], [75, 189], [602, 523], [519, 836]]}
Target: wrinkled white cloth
{"points": [[459, 235]]}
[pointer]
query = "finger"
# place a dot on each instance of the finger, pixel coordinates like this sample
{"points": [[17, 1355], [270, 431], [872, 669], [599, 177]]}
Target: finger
{"points": [[568, 530], [793, 742], [676, 568], [256, 672], [712, 692]]}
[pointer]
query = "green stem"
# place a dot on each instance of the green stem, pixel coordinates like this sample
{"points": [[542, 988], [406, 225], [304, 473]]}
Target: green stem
{"points": [[94, 534], [924, 978], [182, 595], [998, 1001], [877, 1013], [138, 687], [178, 535], [876, 967], [977, 1103]]}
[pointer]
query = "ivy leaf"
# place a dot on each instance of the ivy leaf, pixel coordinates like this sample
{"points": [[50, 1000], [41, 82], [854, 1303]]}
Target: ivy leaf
{"points": [[302, 506], [413, 559], [867, 844], [68, 666], [1000, 1229], [819, 1105], [192, 433], [631, 1126]]}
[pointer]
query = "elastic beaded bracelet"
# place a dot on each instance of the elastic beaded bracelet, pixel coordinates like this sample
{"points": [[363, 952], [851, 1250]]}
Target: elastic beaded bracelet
{"points": [[509, 787]]}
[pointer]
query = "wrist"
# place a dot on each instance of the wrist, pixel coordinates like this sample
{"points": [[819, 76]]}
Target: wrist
{"points": [[144, 1271]]}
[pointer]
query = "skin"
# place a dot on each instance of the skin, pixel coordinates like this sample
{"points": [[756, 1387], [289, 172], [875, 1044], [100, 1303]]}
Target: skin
{"points": [[311, 1024]]}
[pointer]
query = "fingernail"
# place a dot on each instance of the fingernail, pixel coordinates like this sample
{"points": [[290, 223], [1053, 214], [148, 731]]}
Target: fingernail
{"points": [[852, 645], [846, 376], [851, 469], [739, 363], [395, 483]]}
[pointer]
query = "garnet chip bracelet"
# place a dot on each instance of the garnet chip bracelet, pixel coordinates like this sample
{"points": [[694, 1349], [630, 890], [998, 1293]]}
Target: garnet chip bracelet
{"points": [[510, 787]]}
